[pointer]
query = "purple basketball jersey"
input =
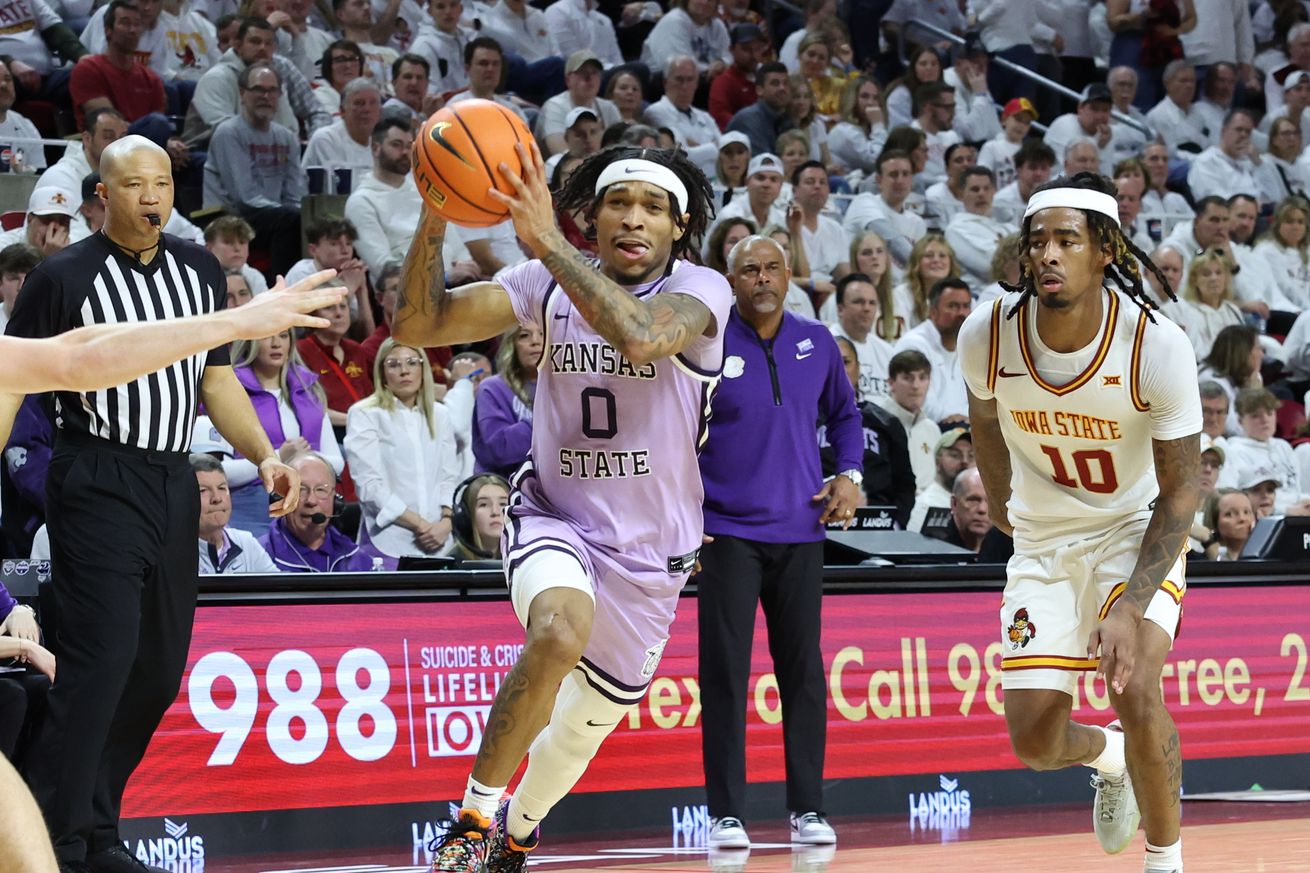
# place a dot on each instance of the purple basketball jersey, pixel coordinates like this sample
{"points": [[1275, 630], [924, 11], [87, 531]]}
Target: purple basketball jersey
{"points": [[614, 444]]}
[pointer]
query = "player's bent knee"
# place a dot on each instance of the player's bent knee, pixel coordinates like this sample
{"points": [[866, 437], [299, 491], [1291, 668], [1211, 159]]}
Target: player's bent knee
{"points": [[555, 644], [1036, 750], [1140, 701]]}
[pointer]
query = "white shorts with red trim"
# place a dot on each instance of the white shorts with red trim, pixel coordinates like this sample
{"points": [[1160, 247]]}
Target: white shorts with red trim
{"points": [[1054, 601]]}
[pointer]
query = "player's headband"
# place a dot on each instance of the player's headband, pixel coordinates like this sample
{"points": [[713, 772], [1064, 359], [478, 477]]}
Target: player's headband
{"points": [[1074, 198], [638, 170]]}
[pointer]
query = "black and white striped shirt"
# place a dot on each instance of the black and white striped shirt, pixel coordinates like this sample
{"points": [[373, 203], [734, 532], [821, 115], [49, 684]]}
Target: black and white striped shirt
{"points": [[95, 282]]}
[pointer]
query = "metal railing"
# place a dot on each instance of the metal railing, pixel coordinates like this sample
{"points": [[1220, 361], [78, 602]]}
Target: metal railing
{"points": [[1006, 64]]}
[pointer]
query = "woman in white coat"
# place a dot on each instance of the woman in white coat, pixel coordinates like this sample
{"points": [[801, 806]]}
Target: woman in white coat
{"points": [[401, 448]]}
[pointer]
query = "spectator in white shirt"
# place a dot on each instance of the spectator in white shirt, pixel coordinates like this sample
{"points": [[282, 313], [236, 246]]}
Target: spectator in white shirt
{"points": [[1159, 204], [1286, 248], [484, 67], [1205, 304], [931, 260], [401, 448], [924, 67], [952, 455], [1009, 30], [228, 239], [696, 130], [578, 25], [825, 242], [357, 24], [1126, 141], [1223, 35], [1296, 99], [909, 375], [1092, 121], [1128, 193], [385, 205], [26, 154], [975, 233], [1033, 162], [582, 77], [949, 303], [1256, 446], [1217, 92], [1243, 212], [224, 549], [998, 152], [466, 372], [762, 204], [689, 27], [1081, 156], [944, 199], [857, 139], [857, 317], [935, 114], [1298, 58], [1281, 173], [975, 110], [442, 45], [886, 212], [1228, 168], [345, 143], [1183, 127]]}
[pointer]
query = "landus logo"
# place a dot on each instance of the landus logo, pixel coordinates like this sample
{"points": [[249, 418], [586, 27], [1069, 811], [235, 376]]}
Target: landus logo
{"points": [[691, 826], [178, 850], [946, 810]]}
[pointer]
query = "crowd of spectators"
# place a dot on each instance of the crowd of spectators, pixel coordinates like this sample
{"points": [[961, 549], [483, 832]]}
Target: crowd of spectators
{"points": [[892, 163]]}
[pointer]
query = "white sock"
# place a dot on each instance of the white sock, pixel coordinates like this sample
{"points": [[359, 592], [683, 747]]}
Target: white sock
{"points": [[1164, 859], [1111, 761], [483, 798]]}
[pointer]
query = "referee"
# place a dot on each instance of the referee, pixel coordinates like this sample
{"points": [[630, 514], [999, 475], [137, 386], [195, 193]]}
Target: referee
{"points": [[122, 502]]}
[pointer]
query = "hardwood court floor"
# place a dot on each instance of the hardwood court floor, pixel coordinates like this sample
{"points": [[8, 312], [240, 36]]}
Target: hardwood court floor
{"points": [[1217, 838]]}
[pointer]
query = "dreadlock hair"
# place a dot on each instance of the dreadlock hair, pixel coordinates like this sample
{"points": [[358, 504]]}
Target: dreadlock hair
{"points": [[1124, 254], [578, 192]]}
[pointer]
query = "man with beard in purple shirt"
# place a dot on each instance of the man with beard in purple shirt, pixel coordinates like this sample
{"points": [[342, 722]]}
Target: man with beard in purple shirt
{"points": [[605, 519], [781, 373]]}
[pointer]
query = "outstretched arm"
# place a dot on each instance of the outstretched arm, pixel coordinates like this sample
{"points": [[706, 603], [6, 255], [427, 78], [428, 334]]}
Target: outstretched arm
{"points": [[104, 355], [1178, 470], [641, 330]]}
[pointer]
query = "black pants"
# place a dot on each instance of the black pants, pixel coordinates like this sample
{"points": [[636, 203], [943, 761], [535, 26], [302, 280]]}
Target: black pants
{"points": [[22, 710], [788, 580], [123, 527]]}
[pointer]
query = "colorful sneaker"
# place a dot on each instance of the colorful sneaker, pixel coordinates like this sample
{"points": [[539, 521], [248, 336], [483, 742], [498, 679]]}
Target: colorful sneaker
{"points": [[462, 848], [812, 829], [1115, 815], [506, 854]]}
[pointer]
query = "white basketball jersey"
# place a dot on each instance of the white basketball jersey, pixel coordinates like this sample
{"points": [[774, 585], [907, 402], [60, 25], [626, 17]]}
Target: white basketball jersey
{"points": [[1079, 426]]}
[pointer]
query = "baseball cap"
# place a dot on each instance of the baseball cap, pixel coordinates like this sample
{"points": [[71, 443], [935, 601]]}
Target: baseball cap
{"points": [[764, 163], [733, 136], [1017, 105], [1296, 78], [1249, 477], [578, 112], [953, 436], [1096, 93], [580, 57], [746, 33], [50, 200], [1210, 444]]}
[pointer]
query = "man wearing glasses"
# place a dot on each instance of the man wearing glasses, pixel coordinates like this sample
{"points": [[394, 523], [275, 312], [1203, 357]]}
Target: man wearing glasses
{"points": [[303, 541], [254, 171]]}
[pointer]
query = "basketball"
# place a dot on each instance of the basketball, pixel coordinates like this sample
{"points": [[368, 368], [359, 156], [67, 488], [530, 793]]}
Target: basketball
{"points": [[456, 156]]}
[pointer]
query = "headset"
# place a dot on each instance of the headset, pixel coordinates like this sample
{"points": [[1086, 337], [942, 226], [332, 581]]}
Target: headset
{"points": [[461, 518]]}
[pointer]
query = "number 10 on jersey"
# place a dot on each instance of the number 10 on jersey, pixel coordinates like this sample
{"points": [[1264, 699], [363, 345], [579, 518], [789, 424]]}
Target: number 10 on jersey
{"points": [[1093, 469]]}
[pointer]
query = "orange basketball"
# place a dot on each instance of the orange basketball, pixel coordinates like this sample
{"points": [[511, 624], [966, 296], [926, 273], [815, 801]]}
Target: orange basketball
{"points": [[456, 156]]}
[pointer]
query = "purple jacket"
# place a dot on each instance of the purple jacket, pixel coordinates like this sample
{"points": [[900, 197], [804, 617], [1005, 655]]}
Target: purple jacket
{"points": [[502, 428], [761, 464], [304, 405], [337, 554], [22, 478], [7, 603]]}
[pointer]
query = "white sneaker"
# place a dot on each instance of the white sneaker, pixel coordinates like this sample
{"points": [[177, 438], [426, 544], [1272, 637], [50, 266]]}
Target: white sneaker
{"points": [[812, 829], [728, 833], [1115, 815]]}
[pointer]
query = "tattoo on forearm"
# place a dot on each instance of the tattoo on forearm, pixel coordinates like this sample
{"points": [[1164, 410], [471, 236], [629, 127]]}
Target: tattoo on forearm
{"points": [[422, 298], [659, 328], [1173, 762], [1178, 465], [501, 721]]}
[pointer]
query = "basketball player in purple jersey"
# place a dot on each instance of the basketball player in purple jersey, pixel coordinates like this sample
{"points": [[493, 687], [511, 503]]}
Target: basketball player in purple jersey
{"points": [[605, 520]]}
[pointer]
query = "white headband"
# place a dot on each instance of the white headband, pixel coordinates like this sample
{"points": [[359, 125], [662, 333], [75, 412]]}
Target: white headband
{"points": [[638, 170], [1074, 198]]}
